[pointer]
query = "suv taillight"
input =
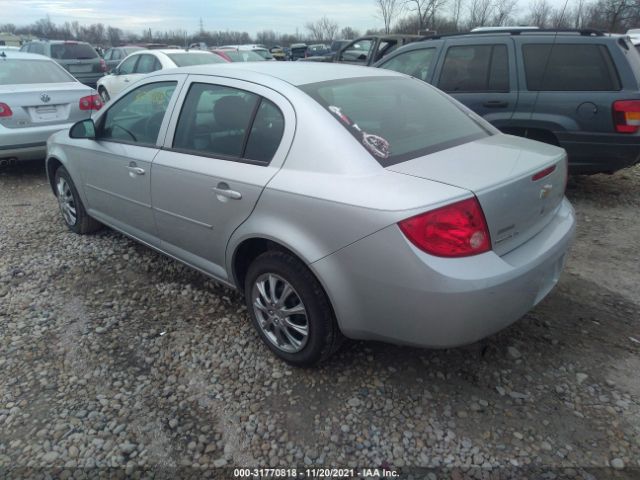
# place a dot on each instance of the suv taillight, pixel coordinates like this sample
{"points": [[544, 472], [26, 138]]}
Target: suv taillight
{"points": [[5, 110], [626, 116], [92, 102], [103, 65], [457, 230]]}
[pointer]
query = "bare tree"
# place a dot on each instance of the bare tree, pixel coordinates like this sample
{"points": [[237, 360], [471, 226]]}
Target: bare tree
{"points": [[348, 33], [322, 30], [503, 11], [456, 11], [426, 11], [540, 13], [388, 10], [480, 12]]}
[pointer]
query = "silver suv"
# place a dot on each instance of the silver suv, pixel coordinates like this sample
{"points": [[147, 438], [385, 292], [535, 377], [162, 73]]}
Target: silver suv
{"points": [[79, 58]]}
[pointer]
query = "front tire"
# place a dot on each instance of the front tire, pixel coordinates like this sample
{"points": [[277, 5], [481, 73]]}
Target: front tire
{"points": [[71, 207], [290, 310]]}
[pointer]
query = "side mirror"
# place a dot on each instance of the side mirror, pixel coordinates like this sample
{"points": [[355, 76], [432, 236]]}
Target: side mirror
{"points": [[83, 129]]}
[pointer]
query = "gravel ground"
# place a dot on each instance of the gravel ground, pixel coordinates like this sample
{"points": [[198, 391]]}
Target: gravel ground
{"points": [[112, 355]]}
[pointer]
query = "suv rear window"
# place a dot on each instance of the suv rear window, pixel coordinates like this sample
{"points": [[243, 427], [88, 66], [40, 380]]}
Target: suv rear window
{"points": [[72, 51], [569, 67], [396, 119]]}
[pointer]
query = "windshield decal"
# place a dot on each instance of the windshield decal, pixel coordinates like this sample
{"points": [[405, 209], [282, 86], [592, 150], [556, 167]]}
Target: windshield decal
{"points": [[377, 145]]}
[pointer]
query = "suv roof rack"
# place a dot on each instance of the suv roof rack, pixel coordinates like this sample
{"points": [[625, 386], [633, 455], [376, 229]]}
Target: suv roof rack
{"points": [[585, 32]]}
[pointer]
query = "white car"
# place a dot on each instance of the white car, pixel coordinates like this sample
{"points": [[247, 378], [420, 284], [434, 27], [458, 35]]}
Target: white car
{"points": [[259, 49], [139, 64]]}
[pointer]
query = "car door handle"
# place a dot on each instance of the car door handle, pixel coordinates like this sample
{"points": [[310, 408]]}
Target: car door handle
{"points": [[496, 104], [126, 80], [136, 170], [222, 190]]}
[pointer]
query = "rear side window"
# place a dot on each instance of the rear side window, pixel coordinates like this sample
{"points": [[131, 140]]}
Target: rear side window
{"points": [[72, 51], [416, 63], [475, 68], [228, 123], [569, 67], [395, 118], [147, 64]]}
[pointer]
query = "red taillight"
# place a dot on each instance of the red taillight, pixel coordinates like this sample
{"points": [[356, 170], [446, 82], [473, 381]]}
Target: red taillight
{"points": [[103, 65], [92, 102], [543, 173], [457, 230], [626, 116], [5, 111]]}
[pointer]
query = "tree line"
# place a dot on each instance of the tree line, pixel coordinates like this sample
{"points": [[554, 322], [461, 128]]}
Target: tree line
{"points": [[394, 16]]}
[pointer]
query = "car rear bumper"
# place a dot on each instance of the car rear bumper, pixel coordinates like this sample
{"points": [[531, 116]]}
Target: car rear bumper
{"points": [[29, 143], [384, 288], [596, 153]]}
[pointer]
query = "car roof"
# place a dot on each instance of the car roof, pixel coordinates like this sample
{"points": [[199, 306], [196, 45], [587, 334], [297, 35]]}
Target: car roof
{"points": [[291, 72]]}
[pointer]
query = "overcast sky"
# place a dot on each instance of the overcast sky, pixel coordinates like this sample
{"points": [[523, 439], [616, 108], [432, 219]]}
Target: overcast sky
{"points": [[245, 15]]}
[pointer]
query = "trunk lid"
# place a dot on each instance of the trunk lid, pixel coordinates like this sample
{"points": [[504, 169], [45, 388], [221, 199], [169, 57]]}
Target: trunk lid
{"points": [[499, 170], [36, 105]]}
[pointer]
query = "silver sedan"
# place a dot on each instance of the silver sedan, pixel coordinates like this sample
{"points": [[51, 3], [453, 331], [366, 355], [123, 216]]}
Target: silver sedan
{"points": [[342, 201], [37, 98]]}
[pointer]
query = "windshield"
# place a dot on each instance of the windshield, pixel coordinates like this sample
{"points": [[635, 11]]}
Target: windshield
{"points": [[72, 51], [188, 59], [18, 72], [396, 119]]}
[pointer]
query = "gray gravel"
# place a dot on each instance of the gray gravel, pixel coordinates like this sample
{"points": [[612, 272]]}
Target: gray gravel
{"points": [[114, 356]]}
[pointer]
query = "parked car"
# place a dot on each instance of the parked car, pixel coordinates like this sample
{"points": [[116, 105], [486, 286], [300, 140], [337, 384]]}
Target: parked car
{"points": [[79, 58], [278, 53], [223, 168], [298, 51], [37, 98], [115, 55], [576, 89], [329, 54], [368, 50], [236, 55], [318, 49], [143, 62], [5, 48]]}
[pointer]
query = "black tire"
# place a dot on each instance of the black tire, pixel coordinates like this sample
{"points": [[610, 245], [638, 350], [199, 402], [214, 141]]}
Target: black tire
{"points": [[324, 336], [83, 223], [104, 95]]}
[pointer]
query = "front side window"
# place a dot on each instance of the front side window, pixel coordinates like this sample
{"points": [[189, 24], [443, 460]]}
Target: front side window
{"points": [[137, 117], [569, 67], [228, 123], [396, 118], [416, 63], [357, 51], [128, 65], [475, 68]]}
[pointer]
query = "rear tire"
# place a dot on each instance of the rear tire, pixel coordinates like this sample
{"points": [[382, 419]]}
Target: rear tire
{"points": [[290, 310], [73, 212]]}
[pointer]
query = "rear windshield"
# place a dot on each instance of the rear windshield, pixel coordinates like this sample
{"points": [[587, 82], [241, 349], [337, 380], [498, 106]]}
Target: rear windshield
{"points": [[396, 119], [243, 56], [19, 72], [72, 51], [188, 59]]}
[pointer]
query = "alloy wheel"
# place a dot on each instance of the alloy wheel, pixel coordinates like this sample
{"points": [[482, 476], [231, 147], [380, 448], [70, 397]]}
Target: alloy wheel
{"points": [[280, 312], [66, 202]]}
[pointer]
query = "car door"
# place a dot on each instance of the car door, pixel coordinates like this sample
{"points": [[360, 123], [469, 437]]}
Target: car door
{"points": [[121, 78], [116, 166], [224, 144], [568, 84], [482, 75]]}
